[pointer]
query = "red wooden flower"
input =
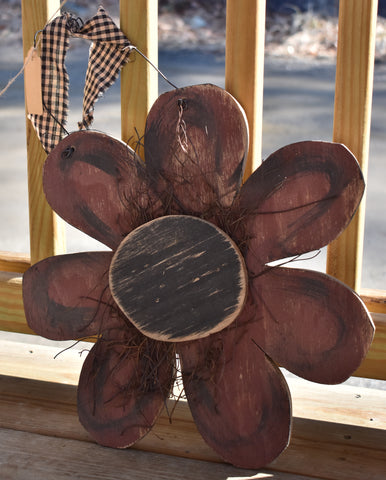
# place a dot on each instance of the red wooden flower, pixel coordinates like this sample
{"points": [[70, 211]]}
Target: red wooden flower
{"points": [[298, 200]]}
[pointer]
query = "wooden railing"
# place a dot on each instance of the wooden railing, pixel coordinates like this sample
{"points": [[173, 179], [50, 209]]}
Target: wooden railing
{"points": [[244, 79]]}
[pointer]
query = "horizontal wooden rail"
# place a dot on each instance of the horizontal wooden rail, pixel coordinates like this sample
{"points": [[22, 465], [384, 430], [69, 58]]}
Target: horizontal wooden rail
{"points": [[343, 424], [12, 316], [12, 319], [374, 365], [56, 459], [375, 300], [14, 262]]}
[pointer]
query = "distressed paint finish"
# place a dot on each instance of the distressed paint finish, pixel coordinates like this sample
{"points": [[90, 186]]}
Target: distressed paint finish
{"points": [[300, 199], [196, 142], [92, 166], [123, 386], [178, 278], [67, 296], [239, 399], [310, 323]]}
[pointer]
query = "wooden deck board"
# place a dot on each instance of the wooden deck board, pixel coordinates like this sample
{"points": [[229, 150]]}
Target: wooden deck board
{"points": [[44, 415], [339, 432], [28, 455]]}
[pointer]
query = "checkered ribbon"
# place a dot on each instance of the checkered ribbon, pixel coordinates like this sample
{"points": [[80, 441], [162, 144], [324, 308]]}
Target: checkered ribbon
{"points": [[108, 53]]}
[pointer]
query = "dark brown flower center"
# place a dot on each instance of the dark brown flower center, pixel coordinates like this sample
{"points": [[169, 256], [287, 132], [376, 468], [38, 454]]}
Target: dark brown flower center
{"points": [[178, 278]]}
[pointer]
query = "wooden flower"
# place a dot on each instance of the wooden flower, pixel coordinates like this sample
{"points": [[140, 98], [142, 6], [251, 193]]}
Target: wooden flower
{"points": [[188, 274]]}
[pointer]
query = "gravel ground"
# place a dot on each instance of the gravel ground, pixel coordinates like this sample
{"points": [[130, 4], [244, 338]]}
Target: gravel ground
{"points": [[200, 25]]}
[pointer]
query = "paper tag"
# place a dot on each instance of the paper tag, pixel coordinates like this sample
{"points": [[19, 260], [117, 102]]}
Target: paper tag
{"points": [[33, 82]]}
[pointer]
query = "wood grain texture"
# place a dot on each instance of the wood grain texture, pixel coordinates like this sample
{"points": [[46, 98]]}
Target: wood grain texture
{"points": [[14, 262], [375, 300], [328, 439], [309, 323], [352, 116], [66, 297], [331, 449], [28, 356], [139, 80], [196, 143], [12, 318], [178, 278], [373, 365], [238, 398], [98, 185], [12, 315], [123, 386], [52, 459], [299, 200], [244, 68], [47, 236]]}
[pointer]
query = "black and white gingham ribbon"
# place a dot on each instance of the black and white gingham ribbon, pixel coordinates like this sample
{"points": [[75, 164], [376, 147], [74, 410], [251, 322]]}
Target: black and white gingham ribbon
{"points": [[108, 53]]}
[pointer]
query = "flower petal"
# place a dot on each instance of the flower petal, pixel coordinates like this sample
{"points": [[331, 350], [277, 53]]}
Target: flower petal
{"points": [[239, 399], [67, 296], [310, 323], [124, 383], [300, 199], [196, 143], [98, 185]]}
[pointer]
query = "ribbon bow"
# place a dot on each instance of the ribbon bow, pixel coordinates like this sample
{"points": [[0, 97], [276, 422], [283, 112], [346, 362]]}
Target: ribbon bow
{"points": [[108, 53]]}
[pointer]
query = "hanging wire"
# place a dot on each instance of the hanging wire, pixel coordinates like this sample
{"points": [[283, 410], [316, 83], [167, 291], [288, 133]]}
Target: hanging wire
{"points": [[54, 118], [132, 47], [29, 57], [36, 36]]}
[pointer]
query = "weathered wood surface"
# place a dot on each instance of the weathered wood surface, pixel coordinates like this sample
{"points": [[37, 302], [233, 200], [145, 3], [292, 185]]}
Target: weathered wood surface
{"points": [[12, 313], [123, 386], [178, 278], [239, 399], [338, 432], [26, 455], [338, 463], [92, 165], [66, 297], [196, 143], [300, 199], [309, 323]]}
